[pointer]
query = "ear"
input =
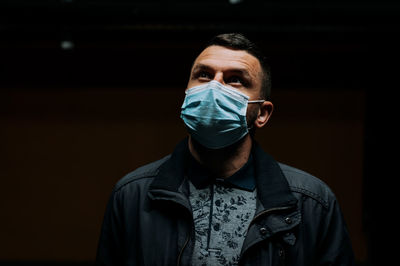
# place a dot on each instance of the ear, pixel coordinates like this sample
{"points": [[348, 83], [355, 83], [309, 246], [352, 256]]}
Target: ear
{"points": [[264, 113]]}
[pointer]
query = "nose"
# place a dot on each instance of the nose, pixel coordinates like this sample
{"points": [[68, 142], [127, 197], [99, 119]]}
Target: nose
{"points": [[219, 77]]}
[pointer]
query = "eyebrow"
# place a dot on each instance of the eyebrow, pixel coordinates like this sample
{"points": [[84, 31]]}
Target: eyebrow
{"points": [[243, 72], [199, 67]]}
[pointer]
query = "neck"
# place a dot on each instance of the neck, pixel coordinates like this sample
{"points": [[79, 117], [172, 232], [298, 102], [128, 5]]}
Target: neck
{"points": [[222, 162]]}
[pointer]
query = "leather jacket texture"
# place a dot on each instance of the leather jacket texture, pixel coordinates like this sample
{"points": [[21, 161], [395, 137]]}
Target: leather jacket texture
{"points": [[148, 218]]}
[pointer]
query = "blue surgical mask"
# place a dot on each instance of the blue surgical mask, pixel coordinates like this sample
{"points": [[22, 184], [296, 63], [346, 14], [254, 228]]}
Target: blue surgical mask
{"points": [[215, 115]]}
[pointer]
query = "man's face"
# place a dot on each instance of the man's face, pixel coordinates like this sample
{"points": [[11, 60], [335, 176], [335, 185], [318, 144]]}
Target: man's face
{"points": [[236, 69], [233, 68]]}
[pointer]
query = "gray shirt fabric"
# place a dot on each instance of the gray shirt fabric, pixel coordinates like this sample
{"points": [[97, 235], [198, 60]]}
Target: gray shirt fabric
{"points": [[221, 216]]}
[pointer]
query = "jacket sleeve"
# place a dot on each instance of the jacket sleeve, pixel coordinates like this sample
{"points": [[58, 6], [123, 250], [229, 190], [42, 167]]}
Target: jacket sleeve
{"points": [[109, 250], [334, 242]]}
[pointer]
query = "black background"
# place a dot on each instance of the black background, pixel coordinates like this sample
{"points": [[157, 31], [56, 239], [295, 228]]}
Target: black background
{"points": [[66, 44]]}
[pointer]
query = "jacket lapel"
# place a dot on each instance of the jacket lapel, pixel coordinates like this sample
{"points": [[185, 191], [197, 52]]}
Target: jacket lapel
{"points": [[272, 187], [276, 206]]}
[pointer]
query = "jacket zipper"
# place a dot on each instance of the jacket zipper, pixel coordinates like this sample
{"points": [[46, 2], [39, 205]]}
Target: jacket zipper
{"points": [[188, 237], [183, 248]]}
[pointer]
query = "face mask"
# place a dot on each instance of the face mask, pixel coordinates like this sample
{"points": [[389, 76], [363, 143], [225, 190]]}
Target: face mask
{"points": [[215, 115]]}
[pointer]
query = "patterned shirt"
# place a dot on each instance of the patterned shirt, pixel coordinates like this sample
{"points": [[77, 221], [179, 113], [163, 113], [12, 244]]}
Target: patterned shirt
{"points": [[222, 212]]}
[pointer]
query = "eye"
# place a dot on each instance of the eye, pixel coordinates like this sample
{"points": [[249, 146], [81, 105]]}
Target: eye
{"points": [[204, 75], [235, 81]]}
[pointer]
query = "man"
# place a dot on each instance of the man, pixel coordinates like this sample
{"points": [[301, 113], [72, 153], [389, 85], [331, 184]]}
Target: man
{"points": [[219, 199]]}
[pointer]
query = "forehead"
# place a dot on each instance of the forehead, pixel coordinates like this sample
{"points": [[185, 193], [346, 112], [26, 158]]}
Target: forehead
{"points": [[222, 58]]}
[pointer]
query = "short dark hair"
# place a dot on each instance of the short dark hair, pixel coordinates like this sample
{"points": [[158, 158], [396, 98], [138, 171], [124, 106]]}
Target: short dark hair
{"points": [[238, 41]]}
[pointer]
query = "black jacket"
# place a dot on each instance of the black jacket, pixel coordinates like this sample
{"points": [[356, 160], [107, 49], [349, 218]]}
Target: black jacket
{"points": [[148, 220]]}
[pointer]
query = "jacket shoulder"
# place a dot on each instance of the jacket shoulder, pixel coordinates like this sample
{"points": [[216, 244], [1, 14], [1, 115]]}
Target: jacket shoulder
{"points": [[308, 185], [144, 172]]}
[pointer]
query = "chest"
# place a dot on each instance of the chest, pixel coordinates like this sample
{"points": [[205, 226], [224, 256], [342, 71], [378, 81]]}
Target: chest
{"points": [[221, 218]]}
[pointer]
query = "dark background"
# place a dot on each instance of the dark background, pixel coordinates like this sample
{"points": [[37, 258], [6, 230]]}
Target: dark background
{"points": [[90, 90]]}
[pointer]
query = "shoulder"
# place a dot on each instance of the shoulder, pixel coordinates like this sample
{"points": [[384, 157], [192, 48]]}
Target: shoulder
{"points": [[308, 185], [143, 174]]}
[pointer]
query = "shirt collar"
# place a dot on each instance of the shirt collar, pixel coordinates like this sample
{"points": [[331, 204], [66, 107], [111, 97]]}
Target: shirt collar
{"points": [[244, 178], [272, 187]]}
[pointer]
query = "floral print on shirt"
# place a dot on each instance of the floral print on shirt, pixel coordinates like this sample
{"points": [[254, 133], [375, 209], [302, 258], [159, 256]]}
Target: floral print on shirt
{"points": [[221, 218]]}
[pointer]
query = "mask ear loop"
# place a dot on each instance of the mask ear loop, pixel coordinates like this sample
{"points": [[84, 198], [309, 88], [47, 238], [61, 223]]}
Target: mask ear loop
{"points": [[256, 101]]}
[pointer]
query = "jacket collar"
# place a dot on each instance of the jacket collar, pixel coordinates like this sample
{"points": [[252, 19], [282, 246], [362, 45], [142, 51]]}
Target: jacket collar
{"points": [[171, 174], [272, 187], [168, 184]]}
